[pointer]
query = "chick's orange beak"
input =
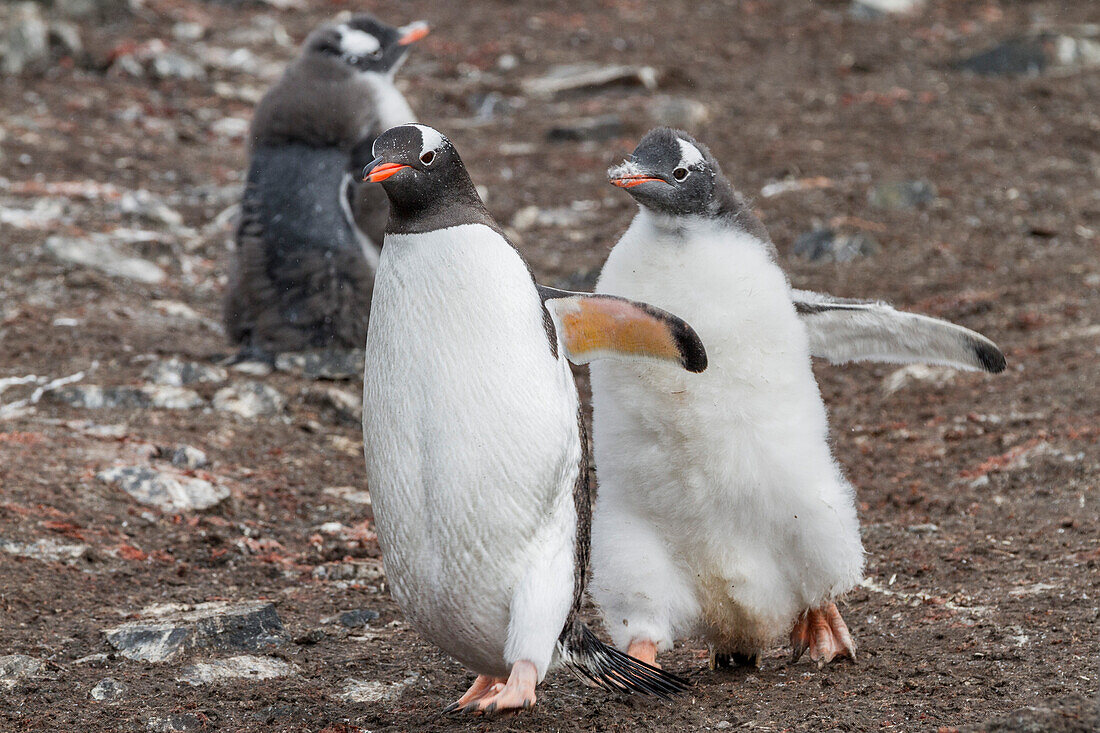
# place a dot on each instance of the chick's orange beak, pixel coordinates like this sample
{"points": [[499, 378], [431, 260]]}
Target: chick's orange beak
{"points": [[631, 181], [379, 173], [413, 32]]}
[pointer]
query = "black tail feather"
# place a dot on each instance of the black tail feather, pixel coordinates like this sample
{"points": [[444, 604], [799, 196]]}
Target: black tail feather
{"points": [[608, 668]]}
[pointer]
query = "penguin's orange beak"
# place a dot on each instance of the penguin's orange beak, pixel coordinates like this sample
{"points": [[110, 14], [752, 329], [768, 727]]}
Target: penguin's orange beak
{"points": [[413, 32], [633, 180], [379, 173]]}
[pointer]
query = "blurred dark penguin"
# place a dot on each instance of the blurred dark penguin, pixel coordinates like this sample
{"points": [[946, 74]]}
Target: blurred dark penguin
{"points": [[309, 237]]}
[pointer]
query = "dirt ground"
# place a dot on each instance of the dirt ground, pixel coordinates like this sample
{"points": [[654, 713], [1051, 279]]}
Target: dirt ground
{"points": [[978, 494]]}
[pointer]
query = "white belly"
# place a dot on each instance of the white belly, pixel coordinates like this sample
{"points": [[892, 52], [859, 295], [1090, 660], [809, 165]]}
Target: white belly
{"points": [[470, 434], [730, 470]]}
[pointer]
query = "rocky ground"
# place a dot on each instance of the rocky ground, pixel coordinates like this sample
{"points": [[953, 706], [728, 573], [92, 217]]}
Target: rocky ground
{"points": [[184, 546]]}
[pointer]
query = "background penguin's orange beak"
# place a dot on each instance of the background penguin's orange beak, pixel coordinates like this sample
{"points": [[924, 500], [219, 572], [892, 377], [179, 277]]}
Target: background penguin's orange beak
{"points": [[379, 173], [413, 32], [631, 181]]}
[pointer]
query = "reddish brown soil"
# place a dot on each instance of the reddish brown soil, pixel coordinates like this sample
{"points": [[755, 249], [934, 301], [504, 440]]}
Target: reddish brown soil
{"points": [[990, 616]]}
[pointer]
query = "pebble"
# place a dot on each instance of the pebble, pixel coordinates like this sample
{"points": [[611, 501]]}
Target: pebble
{"points": [[245, 666], [169, 493], [354, 690], [349, 494], [46, 550], [99, 254], [247, 626], [94, 397], [249, 400], [183, 456], [25, 45], [900, 195], [870, 9], [176, 723], [231, 128], [177, 373], [327, 364], [678, 112], [934, 376], [108, 689], [364, 571], [826, 245], [358, 618], [597, 129], [346, 406], [17, 667], [572, 77]]}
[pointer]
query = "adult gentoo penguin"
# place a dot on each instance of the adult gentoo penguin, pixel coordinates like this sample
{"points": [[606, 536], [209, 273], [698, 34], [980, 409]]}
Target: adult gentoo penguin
{"points": [[722, 511], [475, 458], [303, 269]]}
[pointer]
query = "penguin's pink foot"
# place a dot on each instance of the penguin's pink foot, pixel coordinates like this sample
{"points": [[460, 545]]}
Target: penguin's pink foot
{"points": [[823, 632], [482, 686], [644, 650], [518, 693]]}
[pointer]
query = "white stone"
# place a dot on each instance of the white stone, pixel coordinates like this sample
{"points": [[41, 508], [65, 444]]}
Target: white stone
{"points": [[99, 254], [245, 666], [167, 492]]}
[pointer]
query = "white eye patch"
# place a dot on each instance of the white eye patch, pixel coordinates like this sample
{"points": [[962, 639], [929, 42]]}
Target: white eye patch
{"points": [[431, 139], [689, 154], [358, 43]]}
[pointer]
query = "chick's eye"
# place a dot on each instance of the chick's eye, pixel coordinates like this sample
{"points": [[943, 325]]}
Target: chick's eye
{"points": [[680, 174], [427, 158]]}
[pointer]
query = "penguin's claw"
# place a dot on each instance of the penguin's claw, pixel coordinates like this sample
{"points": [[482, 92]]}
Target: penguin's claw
{"points": [[823, 633], [516, 694], [482, 686]]}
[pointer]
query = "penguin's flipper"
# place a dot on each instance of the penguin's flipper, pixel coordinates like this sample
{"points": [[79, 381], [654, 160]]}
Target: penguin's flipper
{"points": [[843, 330], [595, 326]]}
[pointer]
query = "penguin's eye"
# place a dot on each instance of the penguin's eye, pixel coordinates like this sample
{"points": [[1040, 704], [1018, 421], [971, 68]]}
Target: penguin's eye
{"points": [[427, 157], [680, 174]]}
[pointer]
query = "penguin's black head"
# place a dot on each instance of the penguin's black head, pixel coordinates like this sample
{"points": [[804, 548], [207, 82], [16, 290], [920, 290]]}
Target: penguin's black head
{"points": [[669, 172], [365, 44], [423, 177]]}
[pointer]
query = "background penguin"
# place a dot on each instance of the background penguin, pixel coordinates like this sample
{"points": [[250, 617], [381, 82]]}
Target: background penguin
{"points": [[474, 449], [721, 510], [303, 269]]}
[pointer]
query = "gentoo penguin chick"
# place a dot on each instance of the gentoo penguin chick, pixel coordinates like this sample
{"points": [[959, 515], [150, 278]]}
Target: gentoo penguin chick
{"points": [[303, 270], [475, 457], [722, 511]]}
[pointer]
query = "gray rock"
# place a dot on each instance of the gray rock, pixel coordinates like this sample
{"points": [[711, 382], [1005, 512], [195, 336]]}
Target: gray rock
{"points": [[188, 32], [598, 129], [46, 550], [108, 688], [572, 77], [176, 723], [176, 373], [98, 253], [65, 39], [93, 397], [1037, 52], [170, 65], [678, 112], [1021, 56], [900, 195], [183, 456], [560, 217], [825, 245], [249, 400], [328, 364], [166, 492], [347, 407], [871, 9], [354, 690], [247, 626], [25, 45], [246, 666], [360, 571], [230, 128], [358, 618], [15, 668], [253, 368], [349, 494], [932, 376], [150, 207]]}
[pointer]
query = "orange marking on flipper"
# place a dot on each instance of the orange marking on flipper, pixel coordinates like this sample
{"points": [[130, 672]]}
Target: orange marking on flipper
{"points": [[606, 324]]}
